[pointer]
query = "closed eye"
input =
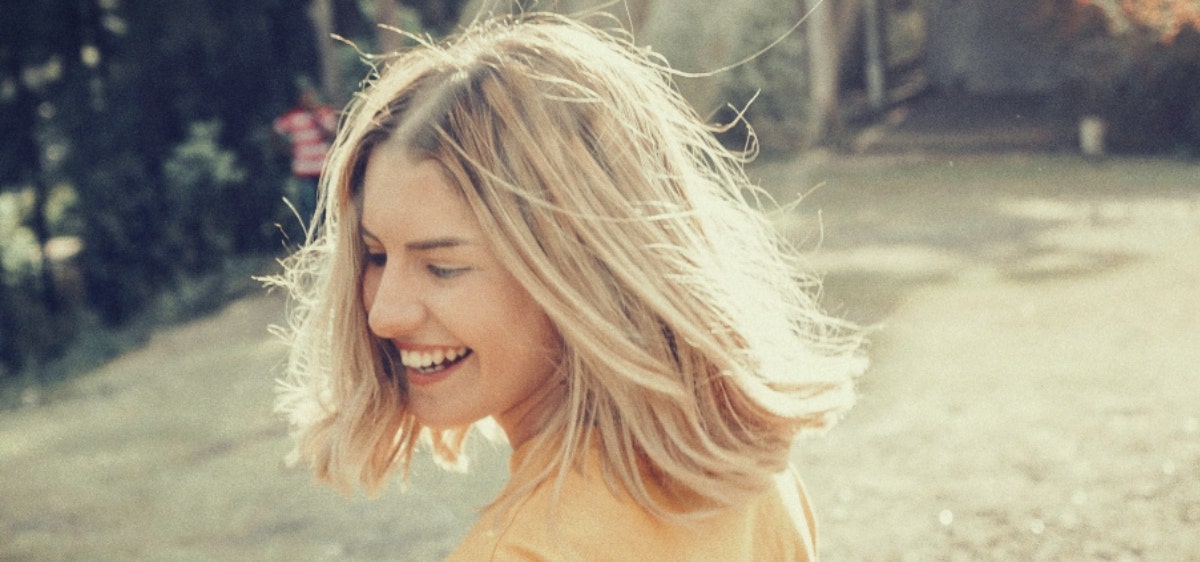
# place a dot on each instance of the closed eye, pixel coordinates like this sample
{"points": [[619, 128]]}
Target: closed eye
{"points": [[446, 272]]}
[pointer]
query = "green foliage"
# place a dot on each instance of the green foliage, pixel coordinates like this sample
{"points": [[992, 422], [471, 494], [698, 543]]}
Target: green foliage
{"points": [[200, 177], [19, 254], [110, 112], [62, 211], [29, 329], [163, 197]]}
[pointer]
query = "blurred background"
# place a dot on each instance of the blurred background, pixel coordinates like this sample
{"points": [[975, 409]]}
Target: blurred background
{"points": [[1009, 192]]}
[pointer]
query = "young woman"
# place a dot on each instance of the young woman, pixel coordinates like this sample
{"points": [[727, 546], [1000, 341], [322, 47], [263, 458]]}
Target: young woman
{"points": [[527, 223]]}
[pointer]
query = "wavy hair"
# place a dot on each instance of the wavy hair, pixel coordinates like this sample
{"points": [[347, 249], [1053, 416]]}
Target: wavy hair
{"points": [[693, 349]]}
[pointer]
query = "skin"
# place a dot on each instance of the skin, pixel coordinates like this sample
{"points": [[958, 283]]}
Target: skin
{"points": [[432, 283]]}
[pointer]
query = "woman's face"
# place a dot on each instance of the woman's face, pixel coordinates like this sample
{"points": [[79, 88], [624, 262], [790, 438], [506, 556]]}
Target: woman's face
{"points": [[472, 341]]}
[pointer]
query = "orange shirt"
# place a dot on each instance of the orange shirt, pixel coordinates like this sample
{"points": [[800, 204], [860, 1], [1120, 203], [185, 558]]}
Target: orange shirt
{"points": [[591, 523]]}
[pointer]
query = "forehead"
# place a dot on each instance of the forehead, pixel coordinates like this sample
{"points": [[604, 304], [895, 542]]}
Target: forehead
{"points": [[404, 195]]}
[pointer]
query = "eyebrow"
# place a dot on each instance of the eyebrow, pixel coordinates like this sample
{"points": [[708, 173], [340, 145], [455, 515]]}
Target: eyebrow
{"points": [[424, 245]]}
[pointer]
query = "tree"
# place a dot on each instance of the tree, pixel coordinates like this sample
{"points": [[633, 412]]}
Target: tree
{"points": [[1167, 18], [95, 94], [1137, 65], [824, 60], [39, 62], [36, 51], [97, 101]]}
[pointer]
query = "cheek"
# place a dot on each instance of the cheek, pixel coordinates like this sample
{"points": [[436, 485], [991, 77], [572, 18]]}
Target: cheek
{"points": [[540, 340]]}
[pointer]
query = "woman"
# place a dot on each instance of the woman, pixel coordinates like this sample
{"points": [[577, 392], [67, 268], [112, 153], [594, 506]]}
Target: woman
{"points": [[528, 224]]}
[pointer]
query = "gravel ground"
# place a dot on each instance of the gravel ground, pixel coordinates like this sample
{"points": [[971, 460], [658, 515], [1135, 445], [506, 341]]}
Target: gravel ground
{"points": [[1035, 383]]}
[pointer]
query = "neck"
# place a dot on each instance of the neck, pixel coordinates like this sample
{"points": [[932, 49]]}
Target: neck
{"points": [[521, 422]]}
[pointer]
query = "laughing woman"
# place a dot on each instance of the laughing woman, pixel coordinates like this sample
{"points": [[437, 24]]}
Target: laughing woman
{"points": [[527, 223]]}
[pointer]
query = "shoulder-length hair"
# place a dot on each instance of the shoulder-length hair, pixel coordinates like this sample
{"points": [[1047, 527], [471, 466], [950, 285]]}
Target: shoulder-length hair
{"points": [[693, 349]]}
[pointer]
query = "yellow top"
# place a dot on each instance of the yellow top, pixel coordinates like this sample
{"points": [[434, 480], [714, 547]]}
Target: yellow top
{"points": [[590, 522]]}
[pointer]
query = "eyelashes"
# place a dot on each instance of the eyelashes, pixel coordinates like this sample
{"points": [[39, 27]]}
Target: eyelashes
{"points": [[379, 260], [446, 272]]}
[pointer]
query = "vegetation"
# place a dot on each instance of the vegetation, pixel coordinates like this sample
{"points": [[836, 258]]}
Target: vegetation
{"points": [[137, 157], [1165, 19], [1138, 63]]}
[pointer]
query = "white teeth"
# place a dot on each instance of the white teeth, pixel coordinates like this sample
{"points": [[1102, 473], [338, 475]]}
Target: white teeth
{"points": [[423, 359]]}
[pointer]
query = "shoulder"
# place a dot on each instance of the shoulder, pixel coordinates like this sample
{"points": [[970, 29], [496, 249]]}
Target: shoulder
{"points": [[585, 520], [579, 519]]}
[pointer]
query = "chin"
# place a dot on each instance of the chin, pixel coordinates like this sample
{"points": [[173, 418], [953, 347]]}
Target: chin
{"points": [[440, 421]]}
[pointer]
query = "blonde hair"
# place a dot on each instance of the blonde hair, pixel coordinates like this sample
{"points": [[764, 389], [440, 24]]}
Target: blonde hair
{"points": [[693, 351]]}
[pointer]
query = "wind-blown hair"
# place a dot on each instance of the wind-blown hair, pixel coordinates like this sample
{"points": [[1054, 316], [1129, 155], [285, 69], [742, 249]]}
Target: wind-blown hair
{"points": [[693, 350]]}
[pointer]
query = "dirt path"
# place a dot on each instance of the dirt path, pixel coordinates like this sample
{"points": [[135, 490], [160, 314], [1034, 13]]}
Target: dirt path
{"points": [[172, 453], [1037, 375], [1033, 395]]}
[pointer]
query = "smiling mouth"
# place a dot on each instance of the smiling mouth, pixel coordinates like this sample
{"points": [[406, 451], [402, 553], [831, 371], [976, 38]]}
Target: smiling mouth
{"points": [[432, 361]]}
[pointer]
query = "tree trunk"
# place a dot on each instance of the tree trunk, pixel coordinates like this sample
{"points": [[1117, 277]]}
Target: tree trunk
{"points": [[823, 63], [321, 13], [41, 231], [876, 54], [386, 13]]}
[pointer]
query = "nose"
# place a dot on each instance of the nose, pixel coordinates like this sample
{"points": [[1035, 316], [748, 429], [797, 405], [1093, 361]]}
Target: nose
{"points": [[394, 306]]}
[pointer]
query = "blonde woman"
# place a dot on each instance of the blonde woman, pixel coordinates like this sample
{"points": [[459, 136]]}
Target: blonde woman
{"points": [[527, 223]]}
